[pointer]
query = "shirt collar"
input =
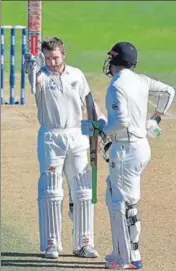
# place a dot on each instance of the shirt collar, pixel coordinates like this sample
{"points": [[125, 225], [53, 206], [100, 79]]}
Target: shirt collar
{"points": [[66, 70]]}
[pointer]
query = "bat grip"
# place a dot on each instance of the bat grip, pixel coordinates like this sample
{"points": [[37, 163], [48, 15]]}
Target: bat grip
{"points": [[94, 185], [33, 81]]}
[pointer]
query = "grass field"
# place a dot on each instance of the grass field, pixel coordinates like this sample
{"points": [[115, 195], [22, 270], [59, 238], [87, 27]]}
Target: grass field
{"points": [[89, 29]]}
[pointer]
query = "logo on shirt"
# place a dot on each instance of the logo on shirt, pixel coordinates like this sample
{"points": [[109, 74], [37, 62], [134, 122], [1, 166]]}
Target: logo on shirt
{"points": [[52, 84], [114, 106], [113, 164], [73, 84]]}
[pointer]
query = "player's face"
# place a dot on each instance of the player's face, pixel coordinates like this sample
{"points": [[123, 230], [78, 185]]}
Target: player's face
{"points": [[54, 60], [113, 69]]}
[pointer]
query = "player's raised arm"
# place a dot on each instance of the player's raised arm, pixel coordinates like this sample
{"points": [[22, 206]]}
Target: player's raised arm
{"points": [[31, 64]]}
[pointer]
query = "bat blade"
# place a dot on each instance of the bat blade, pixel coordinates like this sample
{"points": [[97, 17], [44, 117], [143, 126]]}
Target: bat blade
{"points": [[91, 113], [34, 34]]}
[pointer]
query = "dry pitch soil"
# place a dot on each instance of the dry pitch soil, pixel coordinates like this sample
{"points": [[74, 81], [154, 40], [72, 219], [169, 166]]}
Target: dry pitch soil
{"points": [[157, 204]]}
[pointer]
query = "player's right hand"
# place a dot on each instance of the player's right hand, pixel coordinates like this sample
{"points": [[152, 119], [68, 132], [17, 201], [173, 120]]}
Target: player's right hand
{"points": [[90, 128]]}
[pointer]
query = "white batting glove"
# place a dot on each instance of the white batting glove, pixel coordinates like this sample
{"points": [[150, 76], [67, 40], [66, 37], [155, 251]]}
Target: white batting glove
{"points": [[33, 62], [153, 129], [29, 63]]}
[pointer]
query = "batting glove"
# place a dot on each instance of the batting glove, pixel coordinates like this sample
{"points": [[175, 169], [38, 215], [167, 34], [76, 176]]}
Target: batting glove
{"points": [[92, 128], [153, 129], [33, 62]]}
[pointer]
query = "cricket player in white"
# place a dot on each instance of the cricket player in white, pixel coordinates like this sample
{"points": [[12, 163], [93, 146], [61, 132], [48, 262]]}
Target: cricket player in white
{"points": [[60, 98], [129, 153]]}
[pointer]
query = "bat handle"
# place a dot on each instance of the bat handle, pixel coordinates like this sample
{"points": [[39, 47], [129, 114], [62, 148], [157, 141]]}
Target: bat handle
{"points": [[33, 81], [94, 185], [94, 196]]}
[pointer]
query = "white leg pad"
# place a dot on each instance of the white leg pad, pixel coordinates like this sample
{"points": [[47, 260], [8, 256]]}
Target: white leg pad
{"points": [[120, 233], [50, 197], [83, 210]]}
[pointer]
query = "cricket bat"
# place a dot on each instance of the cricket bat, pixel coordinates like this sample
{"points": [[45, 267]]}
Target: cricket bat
{"points": [[34, 34], [91, 114]]}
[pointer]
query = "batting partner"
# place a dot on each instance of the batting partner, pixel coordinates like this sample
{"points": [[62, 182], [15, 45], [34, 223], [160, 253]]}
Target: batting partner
{"points": [[126, 103], [60, 98]]}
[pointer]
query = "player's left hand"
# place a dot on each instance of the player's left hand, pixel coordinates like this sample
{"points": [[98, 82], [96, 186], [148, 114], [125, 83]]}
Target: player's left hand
{"points": [[90, 128], [29, 63], [153, 129], [32, 62]]}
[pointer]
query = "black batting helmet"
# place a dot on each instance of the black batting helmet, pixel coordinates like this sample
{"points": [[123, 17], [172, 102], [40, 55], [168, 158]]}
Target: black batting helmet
{"points": [[121, 54]]}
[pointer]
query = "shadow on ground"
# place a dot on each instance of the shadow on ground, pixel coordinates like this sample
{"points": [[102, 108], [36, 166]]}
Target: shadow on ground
{"points": [[13, 260]]}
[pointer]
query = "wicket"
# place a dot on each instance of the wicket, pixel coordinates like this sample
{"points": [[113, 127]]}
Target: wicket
{"points": [[12, 77]]}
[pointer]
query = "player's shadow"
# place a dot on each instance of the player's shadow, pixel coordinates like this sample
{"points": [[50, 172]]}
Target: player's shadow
{"points": [[12, 261], [22, 254]]}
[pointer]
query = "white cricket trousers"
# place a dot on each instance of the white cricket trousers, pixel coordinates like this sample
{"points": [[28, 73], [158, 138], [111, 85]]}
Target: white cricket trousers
{"points": [[41, 149], [127, 161], [66, 147]]}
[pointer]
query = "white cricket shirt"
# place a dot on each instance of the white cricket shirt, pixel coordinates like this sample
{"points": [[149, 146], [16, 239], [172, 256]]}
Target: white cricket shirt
{"points": [[60, 98], [127, 102]]}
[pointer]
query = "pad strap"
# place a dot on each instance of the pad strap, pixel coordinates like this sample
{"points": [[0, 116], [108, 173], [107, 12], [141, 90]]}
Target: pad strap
{"points": [[131, 221], [135, 246]]}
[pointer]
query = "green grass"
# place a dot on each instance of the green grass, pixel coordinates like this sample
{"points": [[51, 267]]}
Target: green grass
{"points": [[89, 29]]}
